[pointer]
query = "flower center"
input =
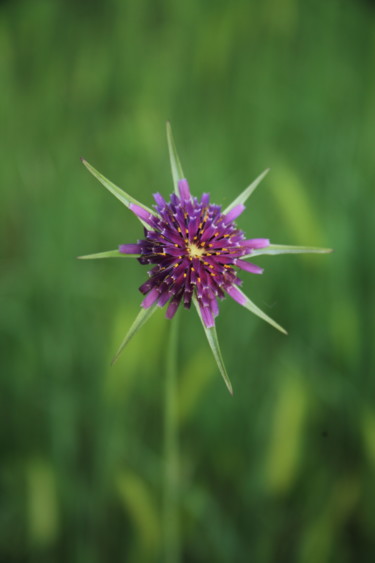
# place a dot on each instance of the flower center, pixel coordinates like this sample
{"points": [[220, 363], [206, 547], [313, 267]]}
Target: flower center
{"points": [[194, 250]]}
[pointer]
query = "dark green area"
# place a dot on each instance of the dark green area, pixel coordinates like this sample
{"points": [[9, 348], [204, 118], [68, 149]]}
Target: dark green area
{"points": [[283, 471]]}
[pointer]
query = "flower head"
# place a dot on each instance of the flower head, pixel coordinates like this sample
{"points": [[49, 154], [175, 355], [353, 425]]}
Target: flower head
{"points": [[195, 251]]}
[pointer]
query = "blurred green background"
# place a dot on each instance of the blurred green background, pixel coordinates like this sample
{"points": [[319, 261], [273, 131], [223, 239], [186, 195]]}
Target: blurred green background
{"points": [[284, 470]]}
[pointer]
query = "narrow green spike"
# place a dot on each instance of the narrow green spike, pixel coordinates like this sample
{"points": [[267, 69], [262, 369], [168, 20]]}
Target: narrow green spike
{"points": [[250, 306], [108, 254], [142, 317], [125, 198], [285, 249], [215, 347], [246, 193], [177, 172]]}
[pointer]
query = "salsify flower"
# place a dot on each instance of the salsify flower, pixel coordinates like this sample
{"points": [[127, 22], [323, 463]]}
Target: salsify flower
{"points": [[195, 252]]}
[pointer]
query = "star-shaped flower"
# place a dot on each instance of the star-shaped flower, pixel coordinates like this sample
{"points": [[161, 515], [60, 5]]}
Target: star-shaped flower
{"points": [[195, 250]]}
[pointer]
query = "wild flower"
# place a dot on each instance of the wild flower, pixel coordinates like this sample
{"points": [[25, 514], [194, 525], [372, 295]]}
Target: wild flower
{"points": [[195, 251]]}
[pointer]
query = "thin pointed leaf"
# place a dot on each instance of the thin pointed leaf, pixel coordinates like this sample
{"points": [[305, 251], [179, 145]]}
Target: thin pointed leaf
{"points": [[125, 198], [215, 347], [285, 249], [246, 193], [142, 317], [108, 254], [250, 306], [177, 172]]}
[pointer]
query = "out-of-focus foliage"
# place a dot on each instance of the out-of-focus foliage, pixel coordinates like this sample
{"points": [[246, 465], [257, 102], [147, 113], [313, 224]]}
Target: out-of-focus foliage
{"points": [[283, 470]]}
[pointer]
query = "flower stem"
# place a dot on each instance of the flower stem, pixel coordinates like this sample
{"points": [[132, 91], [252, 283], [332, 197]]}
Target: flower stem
{"points": [[171, 485]]}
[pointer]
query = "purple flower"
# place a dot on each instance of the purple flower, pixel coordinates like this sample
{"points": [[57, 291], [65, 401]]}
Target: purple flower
{"points": [[195, 252]]}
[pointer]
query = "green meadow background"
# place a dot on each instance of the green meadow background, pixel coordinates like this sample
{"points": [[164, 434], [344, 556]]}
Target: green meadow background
{"points": [[283, 471]]}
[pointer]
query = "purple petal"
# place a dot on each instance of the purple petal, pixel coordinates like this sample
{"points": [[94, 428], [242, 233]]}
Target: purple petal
{"points": [[205, 199], [184, 190], [236, 295], [171, 309], [174, 199], [206, 316], [173, 306], [187, 298], [256, 242], [248, 267], [130, 248], [142, 214], [164, 297], [150, 298], [160, 201], [146, 287], [214, 307], [233, 213]]}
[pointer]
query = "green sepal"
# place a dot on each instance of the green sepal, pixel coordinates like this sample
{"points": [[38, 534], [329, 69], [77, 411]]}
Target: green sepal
{"points": [[215, 347], [142, 317], [250, 306], [274, 249], [108, 254], [125, 198], [177, 172], [247, 192]]}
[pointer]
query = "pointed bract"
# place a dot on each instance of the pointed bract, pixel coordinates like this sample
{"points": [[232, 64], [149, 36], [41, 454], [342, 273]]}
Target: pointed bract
{"points": [[241, 298], [215, 347], [142, 317], [274, 249], [125, 198], [177, 172], [107, 254], [246, 193]]}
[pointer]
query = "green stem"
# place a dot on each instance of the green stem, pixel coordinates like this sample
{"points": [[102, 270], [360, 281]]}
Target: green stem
{"points": [[171, 485]]}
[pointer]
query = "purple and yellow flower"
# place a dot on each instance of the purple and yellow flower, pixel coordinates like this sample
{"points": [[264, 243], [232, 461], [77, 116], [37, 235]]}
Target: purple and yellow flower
{"points": [[194, 249], [195, 252]]}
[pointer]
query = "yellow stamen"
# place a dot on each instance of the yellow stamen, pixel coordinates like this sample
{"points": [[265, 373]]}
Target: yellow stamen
{"points": [[194, 250]]}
